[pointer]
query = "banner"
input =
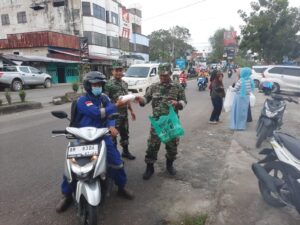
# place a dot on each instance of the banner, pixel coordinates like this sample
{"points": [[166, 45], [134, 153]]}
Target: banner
{"points": [[230, 38]]}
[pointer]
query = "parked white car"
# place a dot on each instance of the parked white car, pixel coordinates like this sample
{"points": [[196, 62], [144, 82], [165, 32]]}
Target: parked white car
{"points": [[257, 74], [285, 78], [16, 77], [140, 76]]}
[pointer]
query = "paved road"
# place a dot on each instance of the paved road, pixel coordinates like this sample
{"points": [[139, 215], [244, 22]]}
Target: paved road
{"points": [[32, 164]]}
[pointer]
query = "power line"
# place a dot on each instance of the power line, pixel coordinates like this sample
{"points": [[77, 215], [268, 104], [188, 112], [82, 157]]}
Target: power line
{"points": [[174, 10]]}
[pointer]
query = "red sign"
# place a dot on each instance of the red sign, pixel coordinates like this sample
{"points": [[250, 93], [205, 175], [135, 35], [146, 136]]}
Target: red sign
{"points": [[230, 38]]}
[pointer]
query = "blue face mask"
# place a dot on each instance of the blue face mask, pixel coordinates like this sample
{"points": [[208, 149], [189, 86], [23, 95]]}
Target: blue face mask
{"points": [[96, 91]]}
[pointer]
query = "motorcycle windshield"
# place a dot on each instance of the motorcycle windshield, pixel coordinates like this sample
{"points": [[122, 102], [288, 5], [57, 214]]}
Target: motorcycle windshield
{"points": [[87, 133]]}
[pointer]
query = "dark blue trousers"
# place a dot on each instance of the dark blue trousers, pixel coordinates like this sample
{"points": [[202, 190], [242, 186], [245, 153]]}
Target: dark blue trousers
{"points": [[114, 159], [217, 104]]}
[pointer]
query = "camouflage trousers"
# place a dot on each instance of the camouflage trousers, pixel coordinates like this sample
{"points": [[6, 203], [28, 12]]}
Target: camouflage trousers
{"points": [[154, 145], [122, 126]]}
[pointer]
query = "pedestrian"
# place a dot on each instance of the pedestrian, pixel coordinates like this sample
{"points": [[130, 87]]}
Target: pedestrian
{"points": [[162, 94], [213, 74], [217, 94], [92, 111], [239, 112], [115, 88]]}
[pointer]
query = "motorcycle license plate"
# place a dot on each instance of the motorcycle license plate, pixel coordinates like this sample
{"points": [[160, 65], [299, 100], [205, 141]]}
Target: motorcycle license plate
{"points": [[82, 151]]}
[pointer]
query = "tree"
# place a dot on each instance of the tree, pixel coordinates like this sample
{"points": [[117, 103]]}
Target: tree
{"points": [[271, 29], [167, 45], [217, 44]]}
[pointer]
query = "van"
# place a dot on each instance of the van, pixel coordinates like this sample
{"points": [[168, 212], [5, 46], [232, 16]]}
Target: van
{"points": [[286, 78], [257, 74], [140, 76]]}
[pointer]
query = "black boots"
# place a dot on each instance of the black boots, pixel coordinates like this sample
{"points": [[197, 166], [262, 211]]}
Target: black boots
{"points": [[64, 203], [149, 171], [127, 154], [171, 170], [125, 193]]}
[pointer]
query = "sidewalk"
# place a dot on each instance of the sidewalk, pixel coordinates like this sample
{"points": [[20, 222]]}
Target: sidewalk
{"points": [[238, 199]]}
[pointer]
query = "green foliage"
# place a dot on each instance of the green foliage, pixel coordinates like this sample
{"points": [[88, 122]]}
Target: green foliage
{"points": [[270, 30], [22, 95], [8, 97], [167, 45], [75, 87], [193, 220]]}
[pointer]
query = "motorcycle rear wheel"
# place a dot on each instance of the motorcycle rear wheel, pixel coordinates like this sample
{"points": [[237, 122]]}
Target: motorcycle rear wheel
{"points": [[275, 170]]}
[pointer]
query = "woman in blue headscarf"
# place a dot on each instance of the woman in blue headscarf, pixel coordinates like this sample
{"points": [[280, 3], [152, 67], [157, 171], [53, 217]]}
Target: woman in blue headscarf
{"points": [[239, 111]]}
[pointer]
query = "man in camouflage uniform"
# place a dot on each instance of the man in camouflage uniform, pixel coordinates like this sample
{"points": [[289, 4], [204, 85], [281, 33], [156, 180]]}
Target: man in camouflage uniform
{"points": [[162, 95], [114, 88]]}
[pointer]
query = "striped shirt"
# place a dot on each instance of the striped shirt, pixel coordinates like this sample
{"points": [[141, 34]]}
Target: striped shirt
{"points": [[238, 86]]}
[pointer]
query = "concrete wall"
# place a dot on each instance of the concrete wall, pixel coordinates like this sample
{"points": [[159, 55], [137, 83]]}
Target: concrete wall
{"points": [[65, 19]]}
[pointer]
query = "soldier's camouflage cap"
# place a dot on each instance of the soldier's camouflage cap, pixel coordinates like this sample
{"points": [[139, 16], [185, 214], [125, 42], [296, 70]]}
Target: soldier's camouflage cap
{"points": [[164, 69], [117, 65]]}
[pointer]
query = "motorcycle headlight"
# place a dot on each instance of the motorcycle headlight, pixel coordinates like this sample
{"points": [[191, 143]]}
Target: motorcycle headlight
{"points": [[83, 171]]}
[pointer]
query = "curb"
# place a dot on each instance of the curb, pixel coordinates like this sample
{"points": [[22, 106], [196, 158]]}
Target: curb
{"points": [[19, 107]]}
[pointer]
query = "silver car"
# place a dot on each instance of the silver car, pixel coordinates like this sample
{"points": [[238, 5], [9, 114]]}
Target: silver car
{"points": [[16, 77]]}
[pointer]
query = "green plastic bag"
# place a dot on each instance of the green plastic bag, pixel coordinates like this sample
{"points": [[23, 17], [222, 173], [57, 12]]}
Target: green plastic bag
{"points": [[167, 127]]}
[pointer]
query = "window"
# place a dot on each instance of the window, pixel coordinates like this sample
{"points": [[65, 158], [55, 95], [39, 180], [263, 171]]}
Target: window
{"points": [[115, 18], [22, 17], [24, 69], [276, 70], [291, 72], [86, 9], [113, 42], [260, 69], [107, 17], [34, 70], [58, 3], [5, 19], [100, 39], [89, 36], [99, 12]]}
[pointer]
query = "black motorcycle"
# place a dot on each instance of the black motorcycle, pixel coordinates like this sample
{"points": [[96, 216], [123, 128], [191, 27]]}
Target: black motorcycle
{"points": [[278, 173], [271, 117]]}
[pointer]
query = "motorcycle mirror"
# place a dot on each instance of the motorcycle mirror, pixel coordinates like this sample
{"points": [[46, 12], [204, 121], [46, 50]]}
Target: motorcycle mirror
{"points": [[113, 116], [60, 114]]}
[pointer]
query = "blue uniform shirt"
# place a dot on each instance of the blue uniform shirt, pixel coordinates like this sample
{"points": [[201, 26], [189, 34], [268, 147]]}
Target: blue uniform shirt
{"points": [[93, 111]]}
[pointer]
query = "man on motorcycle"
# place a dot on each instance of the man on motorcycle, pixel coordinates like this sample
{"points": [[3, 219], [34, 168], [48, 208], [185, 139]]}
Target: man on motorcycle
{"points": [[92, 111]]}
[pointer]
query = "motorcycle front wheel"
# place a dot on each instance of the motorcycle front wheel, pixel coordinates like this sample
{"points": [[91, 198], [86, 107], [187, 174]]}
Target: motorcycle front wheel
{"points": [[261, 135], [88, 213], [276, 171]]}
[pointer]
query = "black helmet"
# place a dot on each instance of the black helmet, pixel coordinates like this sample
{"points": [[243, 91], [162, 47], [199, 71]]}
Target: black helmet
{"points": [[91, 78]]}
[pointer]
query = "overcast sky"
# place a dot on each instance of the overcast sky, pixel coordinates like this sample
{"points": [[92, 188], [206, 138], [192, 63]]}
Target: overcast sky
{"points": [[201, 17]]}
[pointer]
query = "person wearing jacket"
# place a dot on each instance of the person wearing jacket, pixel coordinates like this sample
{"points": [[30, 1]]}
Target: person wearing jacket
{"points": [[92, 111], [217, 94]]}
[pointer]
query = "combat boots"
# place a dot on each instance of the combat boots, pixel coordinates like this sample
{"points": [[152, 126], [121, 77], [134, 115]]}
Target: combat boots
{"points": [[64, 203], [149, 171], [127, 154], [170, 168]]}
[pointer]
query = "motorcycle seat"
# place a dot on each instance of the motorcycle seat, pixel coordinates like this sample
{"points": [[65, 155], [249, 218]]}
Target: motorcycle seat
{"points": [[291, 143]]}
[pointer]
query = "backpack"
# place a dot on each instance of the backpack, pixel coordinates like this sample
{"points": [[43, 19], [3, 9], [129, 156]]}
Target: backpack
{"points": [[75, 119], [74, 122]]}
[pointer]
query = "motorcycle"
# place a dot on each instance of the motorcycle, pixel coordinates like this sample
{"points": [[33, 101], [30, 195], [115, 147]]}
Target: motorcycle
{"points": [[271, 117], [278, 173], [182, 81], [202, 83], [85, 163], [229, 73]]}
